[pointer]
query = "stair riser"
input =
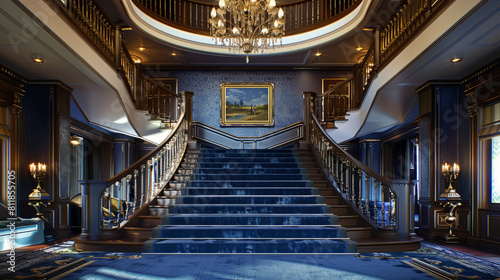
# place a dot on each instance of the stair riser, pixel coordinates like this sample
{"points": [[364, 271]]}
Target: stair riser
{"points": [[229, 177], [246, 155], [224, 209], [149, 223], [349, 222], [252, 220], [332, 200], [248, 191], [255, 160], [269, 247], [292, 232], [248, 152], [340, 211], [137, 234], [359, 234], [249, 200], [247, 184], [158, 211], [219, 171], [236, 165]]}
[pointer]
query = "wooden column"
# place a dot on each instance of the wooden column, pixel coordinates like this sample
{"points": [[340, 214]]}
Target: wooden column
{"points": [[118, 47]]}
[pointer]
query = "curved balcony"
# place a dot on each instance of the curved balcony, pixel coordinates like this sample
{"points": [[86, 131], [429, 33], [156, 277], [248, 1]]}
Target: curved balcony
{"points": [[185, 23], [193, 16]]}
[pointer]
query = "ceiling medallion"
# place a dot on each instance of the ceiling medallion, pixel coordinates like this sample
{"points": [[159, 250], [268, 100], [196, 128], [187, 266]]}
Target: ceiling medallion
{"points": [[247, 25]]}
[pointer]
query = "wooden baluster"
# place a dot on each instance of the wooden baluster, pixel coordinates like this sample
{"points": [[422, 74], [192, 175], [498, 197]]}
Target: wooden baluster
{"points": [[360, 186], [353, 187], [127, 199], [375, 202], [136, 190]]}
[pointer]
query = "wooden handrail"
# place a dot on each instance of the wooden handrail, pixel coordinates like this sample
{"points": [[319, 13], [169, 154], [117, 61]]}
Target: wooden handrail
{"points": [[359, 164], [369, 193], [145, 158]]}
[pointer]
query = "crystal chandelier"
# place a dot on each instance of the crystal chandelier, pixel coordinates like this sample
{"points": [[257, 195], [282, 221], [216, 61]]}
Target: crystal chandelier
{"points": [[247, 25]]}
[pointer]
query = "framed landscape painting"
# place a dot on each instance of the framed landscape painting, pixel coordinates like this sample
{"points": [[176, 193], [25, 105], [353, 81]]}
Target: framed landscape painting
{"points": [[247, 104]]}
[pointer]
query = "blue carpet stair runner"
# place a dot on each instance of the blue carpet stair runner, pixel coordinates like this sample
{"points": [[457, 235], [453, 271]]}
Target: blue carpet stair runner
{"points": [[246, 202]]}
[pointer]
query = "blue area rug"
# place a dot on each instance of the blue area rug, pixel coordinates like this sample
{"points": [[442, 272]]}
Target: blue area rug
{"points": [[65, 262]]}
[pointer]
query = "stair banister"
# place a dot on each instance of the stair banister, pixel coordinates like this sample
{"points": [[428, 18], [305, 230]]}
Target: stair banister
{"points": [[363, 188], [108, 205]]}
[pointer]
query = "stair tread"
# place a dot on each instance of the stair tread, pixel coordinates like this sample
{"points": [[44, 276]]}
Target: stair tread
{"points": [[138, 228], [358, 228], [248, 226], [198, 239], [249, 214]]}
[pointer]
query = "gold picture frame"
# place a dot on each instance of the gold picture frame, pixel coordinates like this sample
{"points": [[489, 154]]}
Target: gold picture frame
{"points": [[247, 104]]}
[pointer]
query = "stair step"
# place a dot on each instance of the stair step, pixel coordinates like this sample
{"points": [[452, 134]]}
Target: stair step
{"points": [[359, 232], [348, 221], [247, 155], [250, 209], [249, 183], [158, 210], [246, 159], [138, 233], [280, 171], [236, 246], [249, 219], [149, 221], [241, 165], [256, 199], [250, 191], [340, 210], [231, 177], [245, 231]]}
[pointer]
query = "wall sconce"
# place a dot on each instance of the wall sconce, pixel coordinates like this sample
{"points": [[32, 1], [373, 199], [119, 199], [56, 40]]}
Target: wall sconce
{"points": [[450, 174], [38, 197], [75, 140]]}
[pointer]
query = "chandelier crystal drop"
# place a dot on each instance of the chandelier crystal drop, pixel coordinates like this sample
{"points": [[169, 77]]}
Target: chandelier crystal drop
{"points": [[247, 25]]}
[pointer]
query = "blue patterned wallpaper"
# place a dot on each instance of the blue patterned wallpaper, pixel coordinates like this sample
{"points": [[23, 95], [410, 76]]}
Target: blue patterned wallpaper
{"points": [[288, 88]]}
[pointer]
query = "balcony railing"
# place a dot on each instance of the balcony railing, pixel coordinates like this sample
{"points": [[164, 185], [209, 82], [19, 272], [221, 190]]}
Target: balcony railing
{"points": [[94, 23], [194, 16], [89, 18], [410, 18]]}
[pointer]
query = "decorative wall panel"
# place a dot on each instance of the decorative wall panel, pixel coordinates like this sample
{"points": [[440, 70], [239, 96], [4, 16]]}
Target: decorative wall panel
{"points": [[288, 88]]}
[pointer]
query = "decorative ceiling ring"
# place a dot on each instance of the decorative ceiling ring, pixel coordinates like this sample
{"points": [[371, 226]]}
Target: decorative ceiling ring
{"points": [[205, 43]]}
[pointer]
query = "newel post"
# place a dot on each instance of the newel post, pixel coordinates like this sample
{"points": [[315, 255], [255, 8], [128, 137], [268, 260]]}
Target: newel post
{"points": [[405, 207], [118, 47], [91, 208], [188, 110], [308, 105], [376, 51]]}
